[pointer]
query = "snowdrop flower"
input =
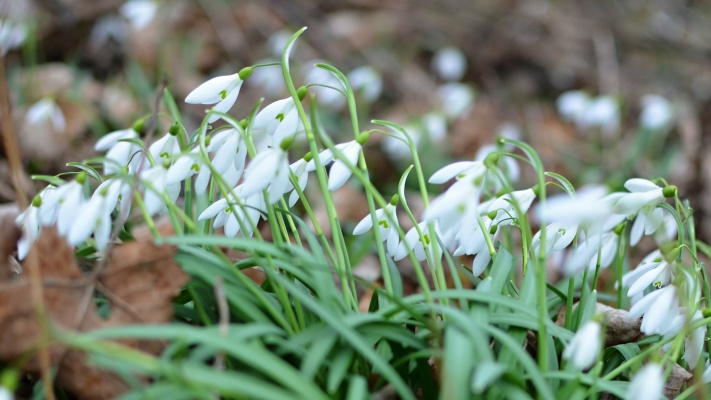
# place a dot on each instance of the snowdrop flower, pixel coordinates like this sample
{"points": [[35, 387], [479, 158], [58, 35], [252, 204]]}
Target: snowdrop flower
{"points": [[585, 207], [653, 269], [503, 209], [340, 172], [222, 90], [694, 343], [647, 383], [558, 237], [456, 99], [230, 150], [46, 111], [584, 347], [244, 213], [659, 309], [643, 199], [268, 170], [449, 63], [70, 197], [706, 377], [275, 123], [188, 165], [153, 197], [602, 112], [657, 112], [300, 169], [367, 81], [602, 246], [326, 97], [572, 105], [509, 166], [96, 215], [667, 231], [418, 244], [472, 241], [120, 152], [387, 223], [458, 204], [29, 222], [165, 148], [12, 35], [139, 12]]}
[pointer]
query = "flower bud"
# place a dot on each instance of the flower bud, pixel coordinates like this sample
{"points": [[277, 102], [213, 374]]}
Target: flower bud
{"points": [[669, 191], [302, 92], [245, 73]]}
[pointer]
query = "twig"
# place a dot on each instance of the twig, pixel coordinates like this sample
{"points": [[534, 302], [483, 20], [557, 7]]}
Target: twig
{"points": [[12, 151]]}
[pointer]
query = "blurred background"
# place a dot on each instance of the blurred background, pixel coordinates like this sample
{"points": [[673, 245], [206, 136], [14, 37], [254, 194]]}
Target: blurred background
{"points": [[604, 91]]}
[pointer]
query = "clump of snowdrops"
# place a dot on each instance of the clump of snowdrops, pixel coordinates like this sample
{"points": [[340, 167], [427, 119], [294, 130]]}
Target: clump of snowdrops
{"points": [[483, 329]]}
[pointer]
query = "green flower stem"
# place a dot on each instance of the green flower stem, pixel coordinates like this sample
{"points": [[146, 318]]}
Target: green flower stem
{"points": [[621, 246], [540, 259], [146, 217], [346, 281], [312, 217]]}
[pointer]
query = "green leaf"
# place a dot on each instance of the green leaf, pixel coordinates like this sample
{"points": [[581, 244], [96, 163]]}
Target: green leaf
{"points": [[486, 373]]}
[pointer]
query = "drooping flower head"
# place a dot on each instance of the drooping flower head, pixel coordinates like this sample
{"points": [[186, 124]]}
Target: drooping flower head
{"points": [[222, 90]]}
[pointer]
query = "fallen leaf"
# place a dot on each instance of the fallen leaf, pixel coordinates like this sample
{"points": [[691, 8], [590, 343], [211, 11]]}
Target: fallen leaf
{"points": [[139, 281]]}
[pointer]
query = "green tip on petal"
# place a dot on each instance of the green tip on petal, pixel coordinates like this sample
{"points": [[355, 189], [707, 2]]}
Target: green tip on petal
{"points": [[139, 126], [286, 143], [174, 129], [491, 160], [37, 201], [363, 137], [245, 73], [669, 191], [81, 177], [302, 92], [394, 200], [308, 157], [104, 191]]}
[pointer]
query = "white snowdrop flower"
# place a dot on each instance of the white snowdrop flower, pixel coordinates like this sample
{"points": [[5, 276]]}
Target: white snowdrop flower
{"points": [[509, 166], [12, 35], [222, 90], [456, 99], [658, 308], [643, 193], [602, 246], [153, 195], [230, 150], [653, 269], [418, 244], [50, 206], [584, 346], [165, 148], [558, 237], [647, 383], [96, 215], [139, 12], [588, 205], [70, 197], [268, 170], [275, 123], [706, 377], [366, 81], [243, 214], [387, 223], [187, 165], [694, 342], [459, 203], [572, 105], [29, 223], [472, 241], [120, 153], [603, 112], [326, 97], [300, 168], [667, 231], [435, 125], [657, 112], [46, 111], [449, 63], [503, 207], [268, 79], [339, 173], [460, 170]]}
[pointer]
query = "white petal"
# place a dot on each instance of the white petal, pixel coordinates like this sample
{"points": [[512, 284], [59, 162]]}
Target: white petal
{"points": [[450, 171], [261, 171], [210, 91], [645, 280], [364, 225], [640, 185], [480, 262], [225, 105], [213, 209], [84, 226], [226, 153]]}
